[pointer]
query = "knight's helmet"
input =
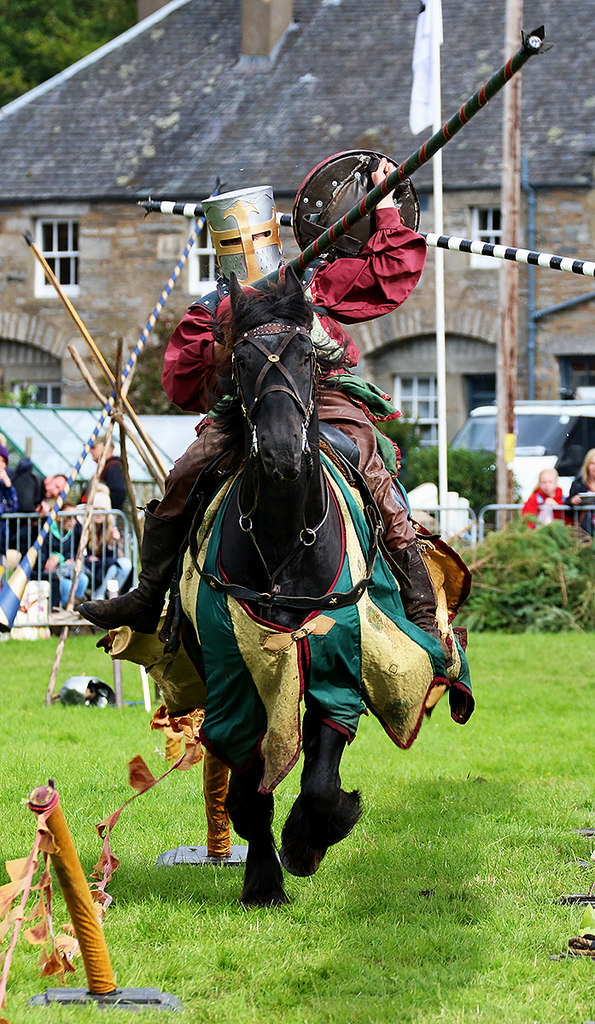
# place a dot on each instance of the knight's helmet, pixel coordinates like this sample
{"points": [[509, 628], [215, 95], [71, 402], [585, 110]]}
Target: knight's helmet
{"points": [[244, 230], [336, 185]]}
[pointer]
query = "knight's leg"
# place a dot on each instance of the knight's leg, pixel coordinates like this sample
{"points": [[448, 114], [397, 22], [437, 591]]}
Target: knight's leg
{"points": [[251, 815], [417, 592], [165, 528], [323, 813]]}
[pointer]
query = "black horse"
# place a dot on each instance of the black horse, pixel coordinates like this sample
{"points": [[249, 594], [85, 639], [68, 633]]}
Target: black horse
{"points": [[279, 550]]}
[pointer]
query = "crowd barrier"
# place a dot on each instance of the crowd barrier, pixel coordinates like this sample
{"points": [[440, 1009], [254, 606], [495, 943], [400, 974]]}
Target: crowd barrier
{"points": [[49, 584]]}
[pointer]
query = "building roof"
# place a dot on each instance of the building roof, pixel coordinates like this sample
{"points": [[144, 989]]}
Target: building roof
{"points": [[170, 105]]}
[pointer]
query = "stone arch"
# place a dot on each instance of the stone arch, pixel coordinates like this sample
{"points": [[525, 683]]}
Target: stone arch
{"points": [[407, 323], [33, 330]]}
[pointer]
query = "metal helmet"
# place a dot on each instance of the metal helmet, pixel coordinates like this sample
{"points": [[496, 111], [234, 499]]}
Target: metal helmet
{"points": [[333, 187], [244, 230]]}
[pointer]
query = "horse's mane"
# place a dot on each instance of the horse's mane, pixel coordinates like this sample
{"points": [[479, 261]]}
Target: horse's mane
{"points": [[252, 308]]}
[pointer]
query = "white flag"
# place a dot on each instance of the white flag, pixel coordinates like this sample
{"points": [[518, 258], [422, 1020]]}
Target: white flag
{"points": [[421, 111]]}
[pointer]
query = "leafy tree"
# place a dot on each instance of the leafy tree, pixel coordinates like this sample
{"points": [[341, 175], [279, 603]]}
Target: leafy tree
{"points": [[471, 474], [146, 393], [38, 39]]}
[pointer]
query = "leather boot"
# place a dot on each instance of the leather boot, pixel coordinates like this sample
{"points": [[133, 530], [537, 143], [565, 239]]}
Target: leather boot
{"points": [[416, 588], [141, 608]]}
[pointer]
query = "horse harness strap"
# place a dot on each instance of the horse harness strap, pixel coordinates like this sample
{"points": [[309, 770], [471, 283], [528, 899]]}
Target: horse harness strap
{"points": [[254, 337], [324, 601]]}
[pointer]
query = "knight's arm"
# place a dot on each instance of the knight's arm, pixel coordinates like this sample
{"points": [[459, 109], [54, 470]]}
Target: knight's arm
{"points": [[379, 279], [189, 367]]}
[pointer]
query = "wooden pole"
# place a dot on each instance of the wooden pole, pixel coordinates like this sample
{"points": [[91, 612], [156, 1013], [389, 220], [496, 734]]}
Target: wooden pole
{"points": [[506, 362]]}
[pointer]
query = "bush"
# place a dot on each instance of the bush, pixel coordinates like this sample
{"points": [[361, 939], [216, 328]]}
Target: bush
{"points": [[531, 581], [471, 474]]}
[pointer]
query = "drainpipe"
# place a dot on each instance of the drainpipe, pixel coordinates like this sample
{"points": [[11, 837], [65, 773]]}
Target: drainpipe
{"points": [[531, 315]]}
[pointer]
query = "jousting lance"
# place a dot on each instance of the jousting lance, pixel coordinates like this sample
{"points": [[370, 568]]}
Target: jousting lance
{"points": [[532, 44], [11, 594], [452, 243]]}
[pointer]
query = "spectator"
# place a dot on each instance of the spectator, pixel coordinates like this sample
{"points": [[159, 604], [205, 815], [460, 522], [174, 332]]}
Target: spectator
{"points": [[112, 474], [30, 493], [53, 487], [542, 501], [58, 557], [9, 501], [582, 492], [103, 561]]}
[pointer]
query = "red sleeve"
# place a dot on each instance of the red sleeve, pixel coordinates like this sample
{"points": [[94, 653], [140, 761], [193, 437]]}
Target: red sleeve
{"points": [[189, 367], [377, 281], [531, 508]]}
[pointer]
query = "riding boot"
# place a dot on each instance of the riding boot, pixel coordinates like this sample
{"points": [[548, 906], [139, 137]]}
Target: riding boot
{"points": [[416, 588], [141, 608]]}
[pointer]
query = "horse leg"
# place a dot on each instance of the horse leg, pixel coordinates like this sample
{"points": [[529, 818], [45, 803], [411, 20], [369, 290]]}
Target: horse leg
{"points": [[323, 813], [251, 815]]}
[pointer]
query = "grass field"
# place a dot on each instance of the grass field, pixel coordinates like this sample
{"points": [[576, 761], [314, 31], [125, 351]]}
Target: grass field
{"points": [[442, 906]]}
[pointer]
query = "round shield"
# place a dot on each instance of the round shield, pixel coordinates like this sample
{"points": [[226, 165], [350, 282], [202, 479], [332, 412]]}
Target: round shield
{"points": [[334, 187]]}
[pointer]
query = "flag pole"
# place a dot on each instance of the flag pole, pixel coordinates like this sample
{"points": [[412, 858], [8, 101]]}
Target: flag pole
{"points": [[439, 269]]}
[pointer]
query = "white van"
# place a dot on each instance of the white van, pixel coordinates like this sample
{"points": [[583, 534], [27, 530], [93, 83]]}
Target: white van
{"points": [[548, 434]]}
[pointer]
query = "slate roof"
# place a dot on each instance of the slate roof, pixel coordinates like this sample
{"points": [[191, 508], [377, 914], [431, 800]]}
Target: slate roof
{"points": [[170, 105]]}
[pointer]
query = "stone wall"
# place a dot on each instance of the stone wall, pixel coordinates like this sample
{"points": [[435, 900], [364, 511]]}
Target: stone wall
{"points": [[126, 260]]}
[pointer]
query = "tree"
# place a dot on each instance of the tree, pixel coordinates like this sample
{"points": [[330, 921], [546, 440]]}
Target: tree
{"points": [[38, 39]]}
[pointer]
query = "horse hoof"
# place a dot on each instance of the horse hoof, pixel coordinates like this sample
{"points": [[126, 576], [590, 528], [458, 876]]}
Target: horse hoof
{"points": [[300, 859], [273, 899]]}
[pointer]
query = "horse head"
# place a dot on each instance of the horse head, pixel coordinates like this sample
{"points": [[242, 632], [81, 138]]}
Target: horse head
{"points": [[274, 369]]}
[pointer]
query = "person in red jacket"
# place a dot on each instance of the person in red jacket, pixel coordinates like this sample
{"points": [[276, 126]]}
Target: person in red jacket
{"points": [[542, 501], [349, 289]]}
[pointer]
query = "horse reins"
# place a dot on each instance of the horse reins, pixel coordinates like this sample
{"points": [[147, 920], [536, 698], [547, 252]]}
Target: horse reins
{"points": [[308, 535]]}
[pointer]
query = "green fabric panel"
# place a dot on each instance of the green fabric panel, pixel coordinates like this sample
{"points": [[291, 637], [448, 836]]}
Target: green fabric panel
{"points": [[335, 667], [235, 717], [383, 591]]}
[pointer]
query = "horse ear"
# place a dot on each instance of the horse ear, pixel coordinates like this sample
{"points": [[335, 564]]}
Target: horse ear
{"points": [[292, 281], [235, 290]]}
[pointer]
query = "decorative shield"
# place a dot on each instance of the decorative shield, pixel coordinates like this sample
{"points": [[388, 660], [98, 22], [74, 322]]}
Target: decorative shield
{"points": [[333, 187]]}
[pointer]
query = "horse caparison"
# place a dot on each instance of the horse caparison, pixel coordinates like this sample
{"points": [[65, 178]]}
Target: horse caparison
{"points": [[280, 549]]}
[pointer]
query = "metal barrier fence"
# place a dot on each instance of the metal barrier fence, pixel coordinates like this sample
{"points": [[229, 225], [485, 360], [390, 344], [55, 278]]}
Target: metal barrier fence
{"points": [[494, 517], [111, 554], [451, 522]]}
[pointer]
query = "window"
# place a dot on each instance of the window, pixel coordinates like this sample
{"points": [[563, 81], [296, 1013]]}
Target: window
{"points": [[576, 372], [486, 227], [48, 394], [202, 275], [417, 399], [58, 241]]}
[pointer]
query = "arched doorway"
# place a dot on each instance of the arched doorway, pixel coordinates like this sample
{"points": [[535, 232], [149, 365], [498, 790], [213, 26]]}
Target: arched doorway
{"points": [[30, 372]]}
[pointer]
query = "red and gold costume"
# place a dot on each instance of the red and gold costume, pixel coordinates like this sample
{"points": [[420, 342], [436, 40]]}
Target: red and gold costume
{"points": [[351, 290]]}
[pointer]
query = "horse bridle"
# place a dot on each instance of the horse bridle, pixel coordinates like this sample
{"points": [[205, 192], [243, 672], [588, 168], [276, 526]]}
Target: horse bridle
{"points": [[253, 337]]}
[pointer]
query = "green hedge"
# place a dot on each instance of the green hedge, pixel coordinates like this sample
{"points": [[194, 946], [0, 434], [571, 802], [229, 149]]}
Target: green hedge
{"points": [[531, 581], [471, 474]]}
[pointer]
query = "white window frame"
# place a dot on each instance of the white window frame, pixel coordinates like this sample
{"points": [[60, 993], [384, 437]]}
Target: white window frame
{"points": [[483, 229], [408, 400], [52, 386], [43, 288], [196, 284]]}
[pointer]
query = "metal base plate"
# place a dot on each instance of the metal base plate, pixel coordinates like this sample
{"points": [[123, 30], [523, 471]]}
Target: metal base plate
{"points": [[198, 856], [581, 898], [123, 998]]}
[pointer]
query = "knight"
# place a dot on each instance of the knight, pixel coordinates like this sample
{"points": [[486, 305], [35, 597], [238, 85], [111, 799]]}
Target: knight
{"points": [[370, 272]]}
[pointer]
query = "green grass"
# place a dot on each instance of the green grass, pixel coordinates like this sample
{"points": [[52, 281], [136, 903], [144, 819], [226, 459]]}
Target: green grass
{"points": [[442, 906]]}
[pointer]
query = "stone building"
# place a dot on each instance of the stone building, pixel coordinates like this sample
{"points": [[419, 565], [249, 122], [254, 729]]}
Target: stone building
{"points": [[262, 90]]}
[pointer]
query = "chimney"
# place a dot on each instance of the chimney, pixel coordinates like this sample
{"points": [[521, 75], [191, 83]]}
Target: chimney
{"points": [[263, 24], [146, 7]]}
